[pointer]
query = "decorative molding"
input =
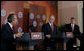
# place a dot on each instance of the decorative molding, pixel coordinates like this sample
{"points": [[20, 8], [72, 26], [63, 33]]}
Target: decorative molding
{"points": [[27, 4]]}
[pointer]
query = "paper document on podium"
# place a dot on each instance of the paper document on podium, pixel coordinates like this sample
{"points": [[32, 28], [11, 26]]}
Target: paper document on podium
{"points": [[69, 34], [36, 35]]}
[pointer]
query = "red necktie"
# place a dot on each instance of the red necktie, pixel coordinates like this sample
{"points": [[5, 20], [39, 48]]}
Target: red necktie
{"points": [[52, 27], [13, 28]]}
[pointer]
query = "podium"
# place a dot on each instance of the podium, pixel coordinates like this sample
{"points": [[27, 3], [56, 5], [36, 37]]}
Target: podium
{"points": [[29, 40]]}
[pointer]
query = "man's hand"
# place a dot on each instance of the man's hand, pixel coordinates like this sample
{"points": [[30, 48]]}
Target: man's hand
{"points": [[19, 34], [48, 36]]}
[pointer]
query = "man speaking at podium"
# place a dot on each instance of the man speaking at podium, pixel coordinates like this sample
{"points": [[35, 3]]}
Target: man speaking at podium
{"points": [[8, 35], [50, 32]]}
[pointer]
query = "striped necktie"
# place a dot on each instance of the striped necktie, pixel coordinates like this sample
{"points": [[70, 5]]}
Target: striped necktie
{"points": [[72, 27]]}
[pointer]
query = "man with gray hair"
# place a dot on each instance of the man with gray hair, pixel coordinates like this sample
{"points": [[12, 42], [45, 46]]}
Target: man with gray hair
{"points": [[50, 32], [8, 34]]}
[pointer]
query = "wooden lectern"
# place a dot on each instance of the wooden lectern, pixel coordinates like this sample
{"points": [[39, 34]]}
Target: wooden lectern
{"points": [[35, 36]]}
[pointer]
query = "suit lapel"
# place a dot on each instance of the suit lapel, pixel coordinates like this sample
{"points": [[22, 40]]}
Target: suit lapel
{"points": [[74, 26], [50, 27], [10, 28], [70, 27]]}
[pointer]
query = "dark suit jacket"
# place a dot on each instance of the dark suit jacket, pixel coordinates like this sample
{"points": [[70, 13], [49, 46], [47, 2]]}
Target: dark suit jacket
{"points": [[75, 32], [76, 29], [7, 38], [47, 30]]}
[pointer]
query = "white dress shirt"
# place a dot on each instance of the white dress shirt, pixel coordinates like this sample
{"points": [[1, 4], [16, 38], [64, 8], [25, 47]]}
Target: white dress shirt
{"points": [[11, 27], [50, 24]]}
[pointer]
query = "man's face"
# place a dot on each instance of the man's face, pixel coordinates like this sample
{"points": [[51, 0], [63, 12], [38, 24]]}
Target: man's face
{"points": [[15, 20], [73, 21], [51, 20]]}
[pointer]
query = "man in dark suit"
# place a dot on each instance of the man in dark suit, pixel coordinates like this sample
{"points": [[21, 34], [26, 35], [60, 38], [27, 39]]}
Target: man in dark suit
{"points": [[8, 35], [72, 27], [50, 32]]}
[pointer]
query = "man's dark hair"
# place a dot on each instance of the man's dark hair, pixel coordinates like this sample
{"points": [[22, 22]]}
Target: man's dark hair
{"points": [[72, 18], [10, 18]]}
